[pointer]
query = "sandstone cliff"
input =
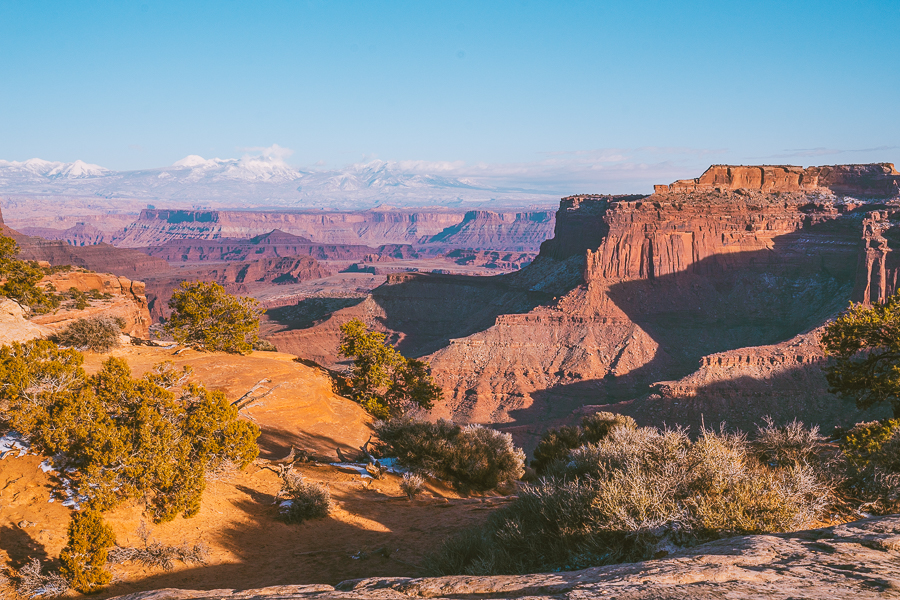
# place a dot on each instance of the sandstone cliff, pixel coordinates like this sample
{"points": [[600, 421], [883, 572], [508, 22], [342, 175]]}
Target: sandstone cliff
{"points": [[872, 181], [854, 560], [487, 230], [503, 230], [275, 243], [631, 291], [80, 234], [236, 277], [127, 300]]}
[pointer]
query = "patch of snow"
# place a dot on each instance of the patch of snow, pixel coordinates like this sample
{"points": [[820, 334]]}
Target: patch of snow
{"points": [[354, 467], [13, 441], [77, 170], [194, 160], [390, 464]]}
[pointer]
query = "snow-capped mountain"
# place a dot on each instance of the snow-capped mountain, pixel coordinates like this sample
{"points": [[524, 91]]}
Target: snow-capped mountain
{"points": [[50, 170], [262, 180]]}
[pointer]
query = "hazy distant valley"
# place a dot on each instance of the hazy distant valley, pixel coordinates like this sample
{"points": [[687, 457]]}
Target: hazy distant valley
{"points": [[702, 302]]}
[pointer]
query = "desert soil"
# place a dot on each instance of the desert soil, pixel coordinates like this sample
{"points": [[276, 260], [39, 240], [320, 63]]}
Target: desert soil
{"points": [[373, 531]]}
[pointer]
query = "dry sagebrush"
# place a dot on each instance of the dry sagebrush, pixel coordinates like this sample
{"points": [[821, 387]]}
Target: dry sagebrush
{"points": [[471, 458], [412, 485], [32, 582], [303, 500], [100, 334], [635, 493]]}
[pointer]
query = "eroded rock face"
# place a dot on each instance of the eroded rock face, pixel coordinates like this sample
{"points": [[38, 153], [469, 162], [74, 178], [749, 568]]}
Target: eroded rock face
{"points": [[80, 234], [14, 325], [854, 560], [127, 301], [275, 243], [522, 231], [874, 181], [633, 290], [662, 285], [235, 277]]}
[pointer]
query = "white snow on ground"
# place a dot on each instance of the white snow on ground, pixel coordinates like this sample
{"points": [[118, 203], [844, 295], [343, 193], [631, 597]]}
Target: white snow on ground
{"points": [[389, 463], [13, 441], [13, 445]]}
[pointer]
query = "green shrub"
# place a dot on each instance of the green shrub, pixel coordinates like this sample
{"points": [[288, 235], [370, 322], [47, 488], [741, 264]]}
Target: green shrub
{"points": [[100, 334], [207, 317], [866, 440], [153, 438], [19, 278], [83, 560], [471, 458], [554, 447], [382, 380], [555, 444], [636, 493], [264, 346], [305, 500], [597, 426], [872, 461]]}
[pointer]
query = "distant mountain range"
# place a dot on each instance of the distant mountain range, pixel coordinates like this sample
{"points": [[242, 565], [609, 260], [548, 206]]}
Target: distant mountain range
{"points": [[260, 182]]}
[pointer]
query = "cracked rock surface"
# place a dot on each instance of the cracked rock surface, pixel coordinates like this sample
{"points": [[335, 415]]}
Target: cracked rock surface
{"points": [[854, 560]]}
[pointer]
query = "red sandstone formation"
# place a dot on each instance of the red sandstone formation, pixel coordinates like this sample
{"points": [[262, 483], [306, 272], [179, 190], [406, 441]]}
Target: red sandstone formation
{"points": [[127, 301], [273, 244], [102, 258], [875, 181], [235, 277], [80, 234], [634, 290], [506, 261], [487, 230], [439, 228]]}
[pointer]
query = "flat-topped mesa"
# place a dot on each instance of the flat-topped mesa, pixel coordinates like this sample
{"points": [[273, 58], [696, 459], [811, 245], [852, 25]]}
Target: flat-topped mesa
{"points": [[879, 180], [581, 224]]}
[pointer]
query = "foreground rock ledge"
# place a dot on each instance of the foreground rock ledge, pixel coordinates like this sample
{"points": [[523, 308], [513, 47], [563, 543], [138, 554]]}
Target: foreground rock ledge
{"points": [[854, 560]]}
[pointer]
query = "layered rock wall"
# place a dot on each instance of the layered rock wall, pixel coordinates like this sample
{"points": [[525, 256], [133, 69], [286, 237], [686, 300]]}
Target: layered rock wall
{"points": [[854, 560], [127, 300], [499, 230], [879, 264], [874, 180]]}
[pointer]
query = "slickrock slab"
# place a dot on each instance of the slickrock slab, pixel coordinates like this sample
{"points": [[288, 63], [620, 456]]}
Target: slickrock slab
{"points": [[855, 560]]}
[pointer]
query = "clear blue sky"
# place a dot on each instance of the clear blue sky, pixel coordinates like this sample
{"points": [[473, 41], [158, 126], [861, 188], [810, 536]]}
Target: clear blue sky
{"points": [[141, 84]]}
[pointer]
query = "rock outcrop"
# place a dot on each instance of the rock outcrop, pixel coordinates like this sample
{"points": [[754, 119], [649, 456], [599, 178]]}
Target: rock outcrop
{"points": [[633, 290], [275, 243], [854, 560], [236, 277], [15, 326], [488, 230], [80, 234], [438, 227], [492, 259], [868, 181], [126, 300]]}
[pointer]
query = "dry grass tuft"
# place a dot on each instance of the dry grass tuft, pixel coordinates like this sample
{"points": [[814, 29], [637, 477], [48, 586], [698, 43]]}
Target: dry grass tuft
{"points": [[100, 334], [412, 485], [790, 444], [304, 500], [156, 554], [33, 583]]}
